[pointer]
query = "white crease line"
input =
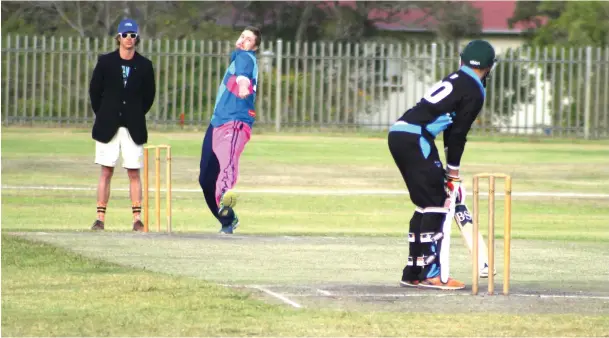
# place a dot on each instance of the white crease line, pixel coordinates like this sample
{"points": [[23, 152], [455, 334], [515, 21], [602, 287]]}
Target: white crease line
{"points": [[462, 294], [278, 296], [564, 296], [438, 295], [324, 292], [400, 295], [319, 192], [371, 295]]}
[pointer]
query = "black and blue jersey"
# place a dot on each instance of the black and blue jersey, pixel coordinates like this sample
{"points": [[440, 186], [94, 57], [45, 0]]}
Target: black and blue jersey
{"points": [[450, 106]]}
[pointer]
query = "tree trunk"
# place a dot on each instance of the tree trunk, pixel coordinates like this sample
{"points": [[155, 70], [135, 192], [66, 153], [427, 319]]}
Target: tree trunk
{"points": [[304, 21]]}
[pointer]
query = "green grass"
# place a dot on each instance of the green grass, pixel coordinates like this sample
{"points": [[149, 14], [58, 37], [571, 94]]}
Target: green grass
{"points": [[30, 157], [339, 260], [50, 292], [551, 219]]}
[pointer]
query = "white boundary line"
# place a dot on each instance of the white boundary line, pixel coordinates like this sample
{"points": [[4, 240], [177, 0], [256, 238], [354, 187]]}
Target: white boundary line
{"points": [[320, 192], [277, 295]]}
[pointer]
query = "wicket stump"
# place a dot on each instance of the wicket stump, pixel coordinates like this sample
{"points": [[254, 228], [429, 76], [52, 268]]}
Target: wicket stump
{"points": [[157, 166], [507, 230]]}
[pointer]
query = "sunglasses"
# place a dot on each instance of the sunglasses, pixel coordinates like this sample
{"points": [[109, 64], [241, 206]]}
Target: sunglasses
{"points": [[131, 35]]}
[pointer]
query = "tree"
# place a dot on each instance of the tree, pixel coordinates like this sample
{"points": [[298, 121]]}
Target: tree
{"points": [[157, 19], [576, 24], [358, 20], [584, 23], [295, 21], [451, 20], [570, 23], [509, 87], [535, 13]]}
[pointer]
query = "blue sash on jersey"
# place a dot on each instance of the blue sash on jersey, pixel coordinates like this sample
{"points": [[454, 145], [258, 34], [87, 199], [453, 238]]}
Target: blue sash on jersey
{"points": [[404, 127]]}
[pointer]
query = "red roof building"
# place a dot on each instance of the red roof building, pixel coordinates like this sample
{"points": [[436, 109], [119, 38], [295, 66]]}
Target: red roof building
{"points": [[494, 16]]}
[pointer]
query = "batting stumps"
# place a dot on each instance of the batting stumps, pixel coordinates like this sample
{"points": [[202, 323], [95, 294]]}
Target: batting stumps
{"points": [[157, 160], [507, 230]]}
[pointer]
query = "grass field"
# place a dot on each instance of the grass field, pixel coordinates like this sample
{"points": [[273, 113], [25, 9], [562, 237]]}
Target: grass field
{"points": [[157, 290], [49, 292]]}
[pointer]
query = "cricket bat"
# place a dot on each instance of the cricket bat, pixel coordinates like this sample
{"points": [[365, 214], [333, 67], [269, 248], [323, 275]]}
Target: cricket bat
{"points": [[446, 227], [464, 221]]}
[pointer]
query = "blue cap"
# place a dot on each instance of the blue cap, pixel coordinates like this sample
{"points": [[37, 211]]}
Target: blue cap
{"points": [[127, 25]]}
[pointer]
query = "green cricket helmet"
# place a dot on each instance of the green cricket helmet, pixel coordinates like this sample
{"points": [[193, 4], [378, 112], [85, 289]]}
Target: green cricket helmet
{"points": [[479, 54]]}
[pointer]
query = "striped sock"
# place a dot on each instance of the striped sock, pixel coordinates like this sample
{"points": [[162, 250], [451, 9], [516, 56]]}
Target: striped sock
{"points": [[101, 212], [137, 211]]}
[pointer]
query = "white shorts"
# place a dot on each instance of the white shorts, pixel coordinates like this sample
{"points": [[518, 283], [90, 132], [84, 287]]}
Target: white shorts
{"points": [[107, 154]]}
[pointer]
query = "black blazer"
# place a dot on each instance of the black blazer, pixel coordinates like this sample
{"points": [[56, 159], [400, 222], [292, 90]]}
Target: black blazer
{"points": [[110, 98]]}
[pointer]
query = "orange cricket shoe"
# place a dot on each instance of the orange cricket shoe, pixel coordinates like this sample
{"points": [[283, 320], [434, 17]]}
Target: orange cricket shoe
{"points": [[409, 283], [436, 283]]}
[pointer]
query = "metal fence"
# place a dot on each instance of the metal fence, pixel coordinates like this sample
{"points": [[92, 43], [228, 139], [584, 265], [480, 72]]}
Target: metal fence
{"points": [[549, 91]]}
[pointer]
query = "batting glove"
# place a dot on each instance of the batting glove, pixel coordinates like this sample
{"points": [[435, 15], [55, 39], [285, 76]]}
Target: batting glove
{"points": [[452, 184], [461, 194]]}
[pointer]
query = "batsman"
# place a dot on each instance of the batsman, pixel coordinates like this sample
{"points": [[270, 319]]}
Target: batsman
{"points": [[450, 107]]}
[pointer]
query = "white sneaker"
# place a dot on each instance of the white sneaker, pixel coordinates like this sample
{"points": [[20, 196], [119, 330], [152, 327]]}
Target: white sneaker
{"points": [[484, 271]]}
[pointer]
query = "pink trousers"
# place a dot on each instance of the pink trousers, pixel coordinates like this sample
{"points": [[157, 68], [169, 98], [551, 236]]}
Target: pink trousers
{"points": [[219, 169]]}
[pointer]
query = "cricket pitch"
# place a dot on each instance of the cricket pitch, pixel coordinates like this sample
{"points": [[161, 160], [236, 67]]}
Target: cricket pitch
{"points": [[354, 273]]}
